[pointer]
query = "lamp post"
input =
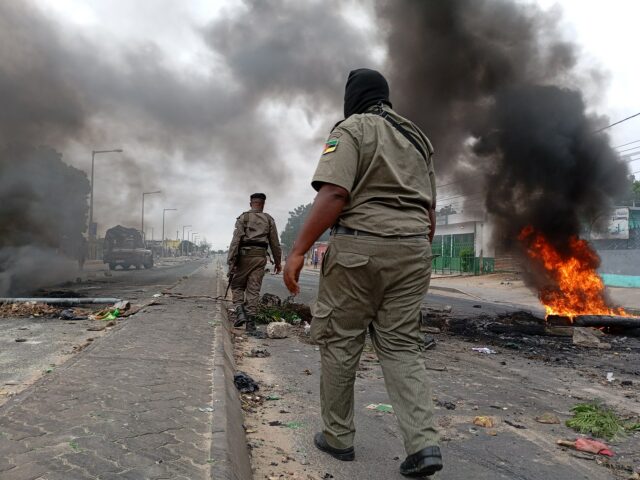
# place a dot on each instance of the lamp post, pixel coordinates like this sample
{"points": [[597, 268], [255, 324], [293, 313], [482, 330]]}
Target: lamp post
{"points": [[92, 232], [93, 158], [165, 210], [194, 241], [144, 237], [192, 235], [182, 249]]}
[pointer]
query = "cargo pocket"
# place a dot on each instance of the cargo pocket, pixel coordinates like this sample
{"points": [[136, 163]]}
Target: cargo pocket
{"points": [[351, 260], [320, 324]]}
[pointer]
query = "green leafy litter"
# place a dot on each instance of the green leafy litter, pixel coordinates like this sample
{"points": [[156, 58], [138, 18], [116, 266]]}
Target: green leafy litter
{"points": [[268, 314], [74, 446], [293, 425], [273, 397], [599, 421]]}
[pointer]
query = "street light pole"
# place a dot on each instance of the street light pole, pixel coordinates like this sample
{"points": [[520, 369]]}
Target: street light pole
{"points": [[183, 227], [144, 237], [93, 158], [92, 233], [193, 235], [164, 210]]}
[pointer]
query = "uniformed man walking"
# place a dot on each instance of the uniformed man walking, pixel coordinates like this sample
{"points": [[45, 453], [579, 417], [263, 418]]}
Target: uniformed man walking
{"points": [[255, 231], [376, 191]]}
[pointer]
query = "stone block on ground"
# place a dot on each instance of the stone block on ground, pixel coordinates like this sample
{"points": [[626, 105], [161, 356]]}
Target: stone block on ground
{"points": [[278, 330]]}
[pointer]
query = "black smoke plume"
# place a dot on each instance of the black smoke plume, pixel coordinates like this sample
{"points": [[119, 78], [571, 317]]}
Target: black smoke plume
{"points": [[499, 91], [42, 218]]}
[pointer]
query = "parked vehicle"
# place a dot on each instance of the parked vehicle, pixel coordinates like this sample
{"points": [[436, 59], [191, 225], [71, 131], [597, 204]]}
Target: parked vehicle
{"points": [[125, 247]]}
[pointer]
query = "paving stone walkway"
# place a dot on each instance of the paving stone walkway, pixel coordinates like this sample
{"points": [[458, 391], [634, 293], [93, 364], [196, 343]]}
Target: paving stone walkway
{"points": [[135, 405]]}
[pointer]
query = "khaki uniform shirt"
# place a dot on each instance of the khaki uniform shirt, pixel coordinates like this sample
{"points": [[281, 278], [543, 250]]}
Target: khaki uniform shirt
{"points": [[255, 227], [391, 186]]}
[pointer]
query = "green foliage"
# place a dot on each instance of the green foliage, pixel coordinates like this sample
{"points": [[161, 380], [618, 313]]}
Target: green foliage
{"points": [[466, 259], [268, 314], [596, 420], [294, 225]]}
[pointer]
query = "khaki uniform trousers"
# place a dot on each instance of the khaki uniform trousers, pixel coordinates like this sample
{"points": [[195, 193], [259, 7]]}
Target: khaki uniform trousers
{"points": [[247, 281], [376, 284]]}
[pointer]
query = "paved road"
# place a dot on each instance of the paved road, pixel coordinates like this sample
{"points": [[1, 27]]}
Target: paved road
{"points": [[135, 405], [461, 304]]}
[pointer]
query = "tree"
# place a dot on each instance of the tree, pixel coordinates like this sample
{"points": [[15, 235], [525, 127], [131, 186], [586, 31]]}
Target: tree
{"points": [[294, 225]]}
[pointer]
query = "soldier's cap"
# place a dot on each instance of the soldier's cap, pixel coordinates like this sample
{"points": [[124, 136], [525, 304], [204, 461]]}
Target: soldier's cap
{"points": [[258, 196]]}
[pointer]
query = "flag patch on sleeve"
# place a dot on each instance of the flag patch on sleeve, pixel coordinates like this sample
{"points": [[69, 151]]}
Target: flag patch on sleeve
{"points": [[330, 146]]}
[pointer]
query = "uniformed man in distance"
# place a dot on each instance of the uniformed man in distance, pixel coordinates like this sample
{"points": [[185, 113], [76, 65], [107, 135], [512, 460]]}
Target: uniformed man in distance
{"points": [[255, 231], [376, 191]]}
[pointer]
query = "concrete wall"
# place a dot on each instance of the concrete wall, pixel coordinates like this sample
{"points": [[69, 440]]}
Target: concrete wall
{"points": [[621, 262]]}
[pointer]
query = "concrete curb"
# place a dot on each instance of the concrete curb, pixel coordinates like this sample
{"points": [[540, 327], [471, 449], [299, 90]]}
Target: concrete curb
{"points": [[229, 448]]}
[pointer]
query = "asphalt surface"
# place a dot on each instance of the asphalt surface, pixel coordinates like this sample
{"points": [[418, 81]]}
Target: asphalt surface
{"points": [[461, 304]]}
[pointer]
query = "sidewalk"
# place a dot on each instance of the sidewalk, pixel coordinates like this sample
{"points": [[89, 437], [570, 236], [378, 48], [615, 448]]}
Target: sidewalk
{"points": [[510, 289], [135, 405]]}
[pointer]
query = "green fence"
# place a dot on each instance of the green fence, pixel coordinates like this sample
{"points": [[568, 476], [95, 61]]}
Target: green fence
{"points": [[456, 254]]}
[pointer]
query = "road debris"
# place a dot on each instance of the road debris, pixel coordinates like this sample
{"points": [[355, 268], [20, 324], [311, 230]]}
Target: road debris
{"points": [[245, 383], [519, 426], [610, 377], [380, 407], [485, 350], [28, 309], [548, 418], [484, 421], [587, 445], [445, 404], [278, 330], [258, 353], [589, 337], [597, 420]]}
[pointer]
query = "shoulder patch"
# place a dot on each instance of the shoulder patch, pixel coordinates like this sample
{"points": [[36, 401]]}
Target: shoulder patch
{"points": [[330, 146]]}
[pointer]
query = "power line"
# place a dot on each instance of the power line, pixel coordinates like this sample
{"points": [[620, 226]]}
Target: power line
{"points": [[625, 144], [618, 122], [459, 181], [629, 149]]}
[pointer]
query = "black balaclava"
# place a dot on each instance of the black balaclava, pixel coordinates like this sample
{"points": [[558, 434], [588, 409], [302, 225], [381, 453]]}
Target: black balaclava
{"points": [[364, 88]]}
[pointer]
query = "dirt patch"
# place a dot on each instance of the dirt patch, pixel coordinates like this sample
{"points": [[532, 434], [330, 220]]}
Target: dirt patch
{"points": [[270, 417]]}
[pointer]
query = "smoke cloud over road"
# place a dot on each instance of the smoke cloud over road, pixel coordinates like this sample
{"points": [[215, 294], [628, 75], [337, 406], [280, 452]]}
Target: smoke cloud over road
{"points": [[492, 83]]}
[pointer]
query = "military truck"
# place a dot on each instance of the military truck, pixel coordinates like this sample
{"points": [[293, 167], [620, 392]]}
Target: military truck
{"points": [[125, 247]]}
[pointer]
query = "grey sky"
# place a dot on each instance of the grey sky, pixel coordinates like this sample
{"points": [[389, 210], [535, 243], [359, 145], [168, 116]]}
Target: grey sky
{"points": [[209, 178]]}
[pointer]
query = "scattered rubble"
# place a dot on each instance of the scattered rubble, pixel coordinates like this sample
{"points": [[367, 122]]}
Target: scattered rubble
{"points": [[28, 309], [258, 353], [245, 383], [548, 418], [589, 337], [587, 445], [484, 421], [278, 330]]}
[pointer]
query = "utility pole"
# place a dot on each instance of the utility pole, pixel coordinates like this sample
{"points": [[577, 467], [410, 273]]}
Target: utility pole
{"points": [[144, 238], [182, 244], [165, 210], [192, 235], [92, 233]]}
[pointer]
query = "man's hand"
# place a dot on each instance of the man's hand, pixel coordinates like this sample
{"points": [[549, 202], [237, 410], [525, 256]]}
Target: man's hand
{"points": [[292, 272], [277, 269]]}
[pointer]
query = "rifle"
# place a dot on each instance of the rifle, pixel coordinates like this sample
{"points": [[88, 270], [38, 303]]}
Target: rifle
{"points": [[230, 275]]}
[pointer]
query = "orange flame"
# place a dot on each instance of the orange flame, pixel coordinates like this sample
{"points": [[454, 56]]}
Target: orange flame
{"points": [[578, 288]]}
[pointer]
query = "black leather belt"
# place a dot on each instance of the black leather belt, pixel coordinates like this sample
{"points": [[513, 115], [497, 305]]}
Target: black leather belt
{"points": [[340, 230]]}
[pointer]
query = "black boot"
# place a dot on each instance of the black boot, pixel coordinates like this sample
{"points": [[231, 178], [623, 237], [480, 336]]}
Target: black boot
{"points": [[251, 324], [424, 463], [344, 454], [241, 316]]}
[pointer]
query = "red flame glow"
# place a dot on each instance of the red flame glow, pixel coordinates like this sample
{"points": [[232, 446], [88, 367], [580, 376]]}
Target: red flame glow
{"points": [[577, 289]]}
